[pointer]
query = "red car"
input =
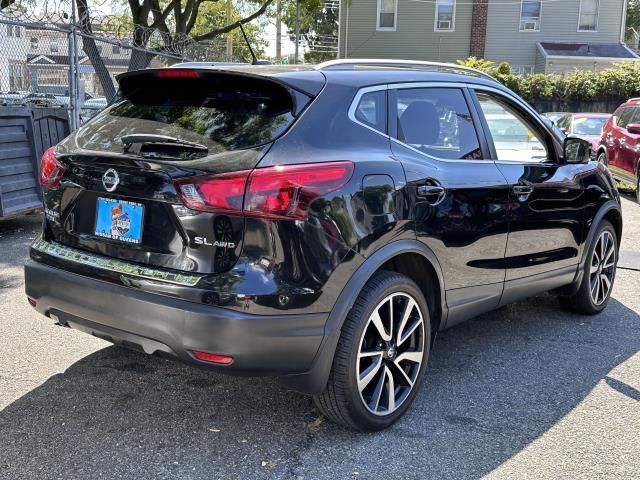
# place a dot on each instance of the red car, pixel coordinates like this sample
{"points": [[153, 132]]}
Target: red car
{"points": [[620, 143]]}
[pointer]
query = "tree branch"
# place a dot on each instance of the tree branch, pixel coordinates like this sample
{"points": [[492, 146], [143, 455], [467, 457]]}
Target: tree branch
{"points": [[232, 26]]}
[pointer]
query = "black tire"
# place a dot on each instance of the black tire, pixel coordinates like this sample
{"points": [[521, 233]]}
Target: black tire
{"points": [[638, 187], [342, 401], [583, 301]]}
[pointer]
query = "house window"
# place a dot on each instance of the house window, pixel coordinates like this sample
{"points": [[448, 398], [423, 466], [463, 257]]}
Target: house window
{"points": [[588, 17], [53, 46], [116, 49], [523, 69], [34, 43], [16, 76], [530, 15], [13, 31], [387, 13], [445, 15]]}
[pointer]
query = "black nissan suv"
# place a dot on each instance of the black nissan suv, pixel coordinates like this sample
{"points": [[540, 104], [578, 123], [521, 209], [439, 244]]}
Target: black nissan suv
{"points": [[318, 224]]}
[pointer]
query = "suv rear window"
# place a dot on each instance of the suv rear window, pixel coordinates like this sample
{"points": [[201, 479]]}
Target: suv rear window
{"points": [[220, 111]]}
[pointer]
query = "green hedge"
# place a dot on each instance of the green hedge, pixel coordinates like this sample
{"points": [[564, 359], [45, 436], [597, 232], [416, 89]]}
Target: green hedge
{"points": [[617, 83]]}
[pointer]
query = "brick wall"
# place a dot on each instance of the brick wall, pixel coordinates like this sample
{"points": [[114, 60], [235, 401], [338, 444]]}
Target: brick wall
{"points": [[479, 28]]}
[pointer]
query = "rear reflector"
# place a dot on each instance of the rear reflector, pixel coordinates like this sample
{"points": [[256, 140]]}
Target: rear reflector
{"points": [[177, 73], [51, 170], [213, 358], [32, 301], [280, 192]]}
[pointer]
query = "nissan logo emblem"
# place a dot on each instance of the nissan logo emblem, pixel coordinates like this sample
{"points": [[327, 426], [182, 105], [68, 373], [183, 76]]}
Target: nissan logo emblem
{"points": [[110, 180]]}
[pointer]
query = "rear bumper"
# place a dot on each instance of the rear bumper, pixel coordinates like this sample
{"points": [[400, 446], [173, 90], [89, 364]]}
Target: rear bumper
{"points": [[259, 344]]}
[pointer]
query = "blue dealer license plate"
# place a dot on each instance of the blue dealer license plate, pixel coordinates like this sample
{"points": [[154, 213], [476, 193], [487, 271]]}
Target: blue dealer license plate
{"points": [[119, 220]]}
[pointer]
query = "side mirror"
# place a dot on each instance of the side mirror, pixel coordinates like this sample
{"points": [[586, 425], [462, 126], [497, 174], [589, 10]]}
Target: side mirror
{"points": [[576, 150], [634, 128]]}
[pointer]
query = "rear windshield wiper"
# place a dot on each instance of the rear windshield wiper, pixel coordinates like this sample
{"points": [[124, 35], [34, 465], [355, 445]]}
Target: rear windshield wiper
{"points": [[150, 139]]}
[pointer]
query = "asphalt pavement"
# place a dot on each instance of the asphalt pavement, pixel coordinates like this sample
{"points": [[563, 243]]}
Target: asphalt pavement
{"points": [[528, 391]]}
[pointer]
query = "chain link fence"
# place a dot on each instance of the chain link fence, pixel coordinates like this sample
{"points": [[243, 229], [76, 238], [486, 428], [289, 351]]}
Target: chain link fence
{"points": [[55, 64]]}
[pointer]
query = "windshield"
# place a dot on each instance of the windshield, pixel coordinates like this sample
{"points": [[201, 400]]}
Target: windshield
{"points": [[589, 125], [223, 113]]}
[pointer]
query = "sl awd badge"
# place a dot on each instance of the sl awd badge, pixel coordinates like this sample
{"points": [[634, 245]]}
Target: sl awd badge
{"points": [[110, 180], [206, 243]]}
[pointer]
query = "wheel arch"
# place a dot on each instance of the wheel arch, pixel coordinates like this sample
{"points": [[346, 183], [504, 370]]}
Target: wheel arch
{"points": [[396, 256], [602, 149], [609, 211]]}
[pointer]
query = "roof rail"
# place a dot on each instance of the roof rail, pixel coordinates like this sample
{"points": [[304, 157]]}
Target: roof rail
{"points": [[634, 99], [344, 63]]}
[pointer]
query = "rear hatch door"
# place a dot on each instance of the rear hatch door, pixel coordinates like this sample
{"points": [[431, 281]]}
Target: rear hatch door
{"points": [[118, 198]]}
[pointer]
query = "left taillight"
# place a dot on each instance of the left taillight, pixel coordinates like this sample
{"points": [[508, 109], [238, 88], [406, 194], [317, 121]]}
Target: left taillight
{"points": [[51, 170], [222, 193]]}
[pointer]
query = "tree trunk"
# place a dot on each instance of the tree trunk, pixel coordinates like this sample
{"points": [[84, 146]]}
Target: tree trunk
{"points": [[91, 50], [140, 59]]}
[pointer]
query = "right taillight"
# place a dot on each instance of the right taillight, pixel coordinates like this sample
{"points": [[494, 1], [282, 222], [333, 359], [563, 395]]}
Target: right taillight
{"points": [[279, 192], [51, 170], [285, 192]]}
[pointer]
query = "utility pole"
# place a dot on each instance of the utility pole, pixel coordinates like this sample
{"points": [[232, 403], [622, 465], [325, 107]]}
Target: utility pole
{"points": [[295, 60], [278, 31], [229, 39], [74, 73]]}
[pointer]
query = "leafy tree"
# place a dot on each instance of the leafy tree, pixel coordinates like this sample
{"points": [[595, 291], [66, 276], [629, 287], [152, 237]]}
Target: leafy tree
{"points": [[174, 20], [318, 28], [633, 14]]}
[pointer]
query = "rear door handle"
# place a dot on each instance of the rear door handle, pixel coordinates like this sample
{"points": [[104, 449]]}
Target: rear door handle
{"points": [[433, 194], [428, 190]]}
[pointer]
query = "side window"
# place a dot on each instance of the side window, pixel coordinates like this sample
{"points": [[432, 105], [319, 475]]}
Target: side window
{"points": [[624, 117], [372, 110], [514, 138], [437, 121]]}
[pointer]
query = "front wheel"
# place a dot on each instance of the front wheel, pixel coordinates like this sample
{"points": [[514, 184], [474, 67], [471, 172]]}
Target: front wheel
{"points": [[599, 275], [381, 355]]}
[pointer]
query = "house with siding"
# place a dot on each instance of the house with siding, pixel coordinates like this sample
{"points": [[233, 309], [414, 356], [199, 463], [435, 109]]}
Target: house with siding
{"points": [[532, 35]]}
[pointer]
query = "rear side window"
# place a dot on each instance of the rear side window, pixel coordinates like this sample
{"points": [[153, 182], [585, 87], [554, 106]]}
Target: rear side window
{"points": [[372, 110], [221, 111], [437, 121], [623, 118]]}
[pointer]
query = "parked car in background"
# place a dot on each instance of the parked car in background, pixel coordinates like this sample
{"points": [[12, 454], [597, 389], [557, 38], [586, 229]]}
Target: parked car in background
{"points": [[42, 100], [554, 116], [620, 144], [91, 108], [13, 98], [319, 224], [585, 125], [554, 128]]}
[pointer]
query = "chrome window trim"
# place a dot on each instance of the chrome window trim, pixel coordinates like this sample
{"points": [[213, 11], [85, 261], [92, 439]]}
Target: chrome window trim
{"points": [[408, 85], [111, 264], [356, 102]]}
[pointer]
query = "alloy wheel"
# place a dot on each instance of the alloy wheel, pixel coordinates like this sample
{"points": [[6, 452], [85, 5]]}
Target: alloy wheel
{"points": [[390, 354], [602, 269]]}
